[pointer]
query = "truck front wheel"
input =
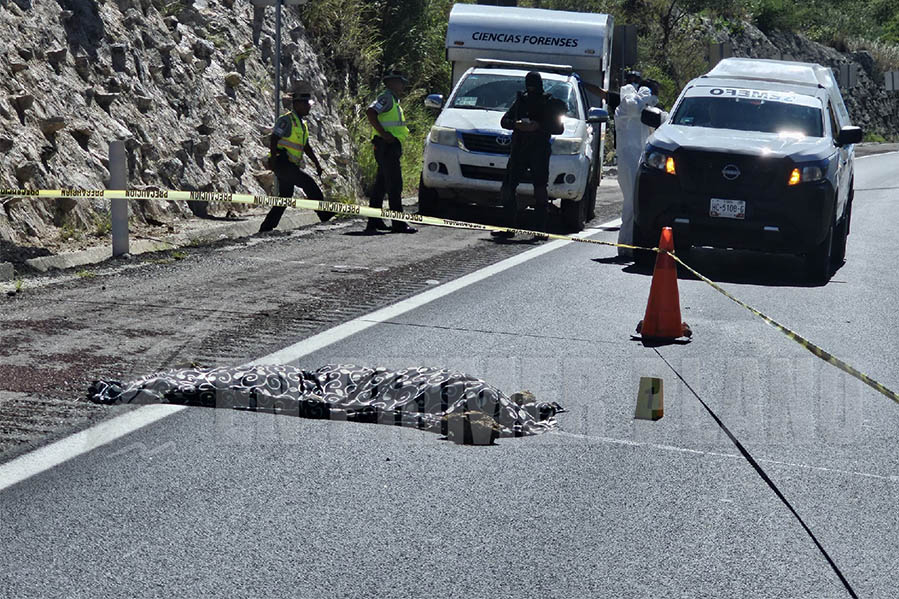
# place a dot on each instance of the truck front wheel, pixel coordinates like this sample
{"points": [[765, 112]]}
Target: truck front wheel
{"points": [[427, 199], [574, 214], [818, 262]]}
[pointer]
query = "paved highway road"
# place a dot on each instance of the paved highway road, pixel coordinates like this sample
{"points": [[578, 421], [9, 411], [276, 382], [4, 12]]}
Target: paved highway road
{"points": [[215, 503]]}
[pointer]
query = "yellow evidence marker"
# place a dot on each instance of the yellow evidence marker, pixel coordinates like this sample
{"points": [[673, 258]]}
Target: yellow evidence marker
{"points": [[650, 399]]}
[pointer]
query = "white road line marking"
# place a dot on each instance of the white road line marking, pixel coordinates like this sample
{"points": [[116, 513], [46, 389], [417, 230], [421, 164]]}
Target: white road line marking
{"points": [[357, 325], [47, 457], [880, 154], [717, 454], [611, 225]]}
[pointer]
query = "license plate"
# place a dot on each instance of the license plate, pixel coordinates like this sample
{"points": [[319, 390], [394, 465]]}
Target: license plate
{"points": [[720, 208]]}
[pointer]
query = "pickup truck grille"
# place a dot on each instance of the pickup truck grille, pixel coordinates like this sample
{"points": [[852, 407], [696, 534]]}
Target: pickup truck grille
{"points": [[486, 143], [486, 173], [702, 172]]}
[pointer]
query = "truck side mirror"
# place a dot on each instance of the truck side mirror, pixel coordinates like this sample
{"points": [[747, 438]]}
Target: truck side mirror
{"points": [[597, 115], [651, 117], [434, 101], [849, 135]]}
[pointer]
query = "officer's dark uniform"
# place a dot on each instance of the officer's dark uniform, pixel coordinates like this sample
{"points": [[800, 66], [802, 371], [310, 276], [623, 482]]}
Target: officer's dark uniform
{"points": [[290, 141], [388, 113], [531, 150]]}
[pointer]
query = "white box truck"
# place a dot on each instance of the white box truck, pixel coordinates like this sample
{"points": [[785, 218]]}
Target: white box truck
{"points": [[491, 49]]}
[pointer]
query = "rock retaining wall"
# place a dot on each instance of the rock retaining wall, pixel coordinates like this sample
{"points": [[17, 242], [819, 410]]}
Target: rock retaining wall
{"points": [[187, 84]]}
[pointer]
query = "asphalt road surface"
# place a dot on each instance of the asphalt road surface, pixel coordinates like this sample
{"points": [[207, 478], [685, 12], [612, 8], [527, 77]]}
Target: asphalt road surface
{"points": [[223, 503]]}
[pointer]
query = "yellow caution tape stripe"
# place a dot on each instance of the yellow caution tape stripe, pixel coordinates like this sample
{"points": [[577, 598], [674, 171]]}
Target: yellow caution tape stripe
{"points": [[354, 210], [269, 201], [818, 351]]}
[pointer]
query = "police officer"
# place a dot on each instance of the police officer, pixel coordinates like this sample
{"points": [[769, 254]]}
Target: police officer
{"points": [[533, 118], [289, 144], [386, 117]]}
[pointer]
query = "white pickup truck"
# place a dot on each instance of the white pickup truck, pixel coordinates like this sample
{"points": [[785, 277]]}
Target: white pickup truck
{"points": [[492, 48]]}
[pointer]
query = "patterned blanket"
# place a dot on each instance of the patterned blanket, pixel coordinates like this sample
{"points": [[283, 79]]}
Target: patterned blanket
{"points": [[465, 408]]}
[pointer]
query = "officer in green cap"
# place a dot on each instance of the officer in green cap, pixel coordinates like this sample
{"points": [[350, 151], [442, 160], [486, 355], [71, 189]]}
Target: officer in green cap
{"points": [[289, 145], [386, 117]]}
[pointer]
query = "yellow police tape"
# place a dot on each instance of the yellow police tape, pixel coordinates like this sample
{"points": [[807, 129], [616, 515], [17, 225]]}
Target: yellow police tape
{"points": [[821, 353], [354, 210]]}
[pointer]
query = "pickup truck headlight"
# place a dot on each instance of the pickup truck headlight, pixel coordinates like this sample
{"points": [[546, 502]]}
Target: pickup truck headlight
{"points": [[568, 145], [659, 160], [808, 173], [444, 136]]}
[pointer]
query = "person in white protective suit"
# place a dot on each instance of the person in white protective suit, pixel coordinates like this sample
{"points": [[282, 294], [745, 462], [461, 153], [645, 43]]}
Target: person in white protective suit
{"points": [[630, 137]]}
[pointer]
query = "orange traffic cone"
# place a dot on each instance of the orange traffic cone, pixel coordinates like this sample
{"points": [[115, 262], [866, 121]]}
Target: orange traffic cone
{"points": [[662, 319]]}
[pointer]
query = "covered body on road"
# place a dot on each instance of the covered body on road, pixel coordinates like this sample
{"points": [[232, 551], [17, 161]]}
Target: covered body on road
{"points": [[423, 398]]}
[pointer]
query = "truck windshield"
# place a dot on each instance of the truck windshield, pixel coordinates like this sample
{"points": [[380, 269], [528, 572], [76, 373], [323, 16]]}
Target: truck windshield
{"points": [[749, 115], [490, 91]]}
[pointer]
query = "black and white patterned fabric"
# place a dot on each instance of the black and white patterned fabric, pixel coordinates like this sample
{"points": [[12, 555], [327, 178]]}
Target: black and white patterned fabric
{"points": [[423, 398]]}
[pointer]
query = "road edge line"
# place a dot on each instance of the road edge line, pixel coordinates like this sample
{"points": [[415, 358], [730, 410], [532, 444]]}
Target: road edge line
{"points": [[877, 154], [46, 457], [321, 340]]}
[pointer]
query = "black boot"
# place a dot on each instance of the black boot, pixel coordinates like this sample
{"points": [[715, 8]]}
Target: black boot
{"points": [[402, 227]]}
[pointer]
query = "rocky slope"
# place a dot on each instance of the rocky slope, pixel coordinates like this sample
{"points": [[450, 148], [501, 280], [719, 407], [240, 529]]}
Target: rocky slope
{"points": [[869, 104], [187, 84]]}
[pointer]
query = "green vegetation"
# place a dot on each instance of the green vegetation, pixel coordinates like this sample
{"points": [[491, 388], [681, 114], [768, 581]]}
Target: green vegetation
{"points": [[360, 39], [69, 233], [179, 255], [218, 39], [85, 274], [172, 8], [102, 225], [244, 54], [261, 83], [885, 54], [20, 284]]}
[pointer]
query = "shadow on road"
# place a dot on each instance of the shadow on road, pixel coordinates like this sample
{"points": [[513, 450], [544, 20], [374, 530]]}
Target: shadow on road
{"points": [[18, 254], [649, 342], [493, 215], [733, 266]]}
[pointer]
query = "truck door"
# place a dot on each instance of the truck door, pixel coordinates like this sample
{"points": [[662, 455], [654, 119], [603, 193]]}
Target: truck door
{"points": [[843, 176], [594, 137]]}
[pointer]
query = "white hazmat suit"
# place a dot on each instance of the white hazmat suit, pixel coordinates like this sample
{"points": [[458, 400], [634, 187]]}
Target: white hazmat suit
{"points": [[630, 139]]}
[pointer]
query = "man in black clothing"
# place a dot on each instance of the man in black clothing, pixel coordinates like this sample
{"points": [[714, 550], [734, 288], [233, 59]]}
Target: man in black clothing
{"points": [[533, 118], [289, 145]]}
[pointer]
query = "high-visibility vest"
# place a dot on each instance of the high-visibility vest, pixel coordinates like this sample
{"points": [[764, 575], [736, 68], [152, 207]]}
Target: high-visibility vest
{"points": [[295, 143], [394, 121]]}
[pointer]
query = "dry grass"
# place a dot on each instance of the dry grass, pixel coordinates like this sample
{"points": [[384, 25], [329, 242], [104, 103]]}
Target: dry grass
{"points": [[886, 55]]}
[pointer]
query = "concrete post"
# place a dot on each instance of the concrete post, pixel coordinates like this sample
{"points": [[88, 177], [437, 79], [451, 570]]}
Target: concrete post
{"points": [[277, 189], [118, 210]]}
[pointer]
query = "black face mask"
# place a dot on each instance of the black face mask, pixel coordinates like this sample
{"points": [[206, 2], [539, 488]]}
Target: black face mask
{"points": [[533, 80]]}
